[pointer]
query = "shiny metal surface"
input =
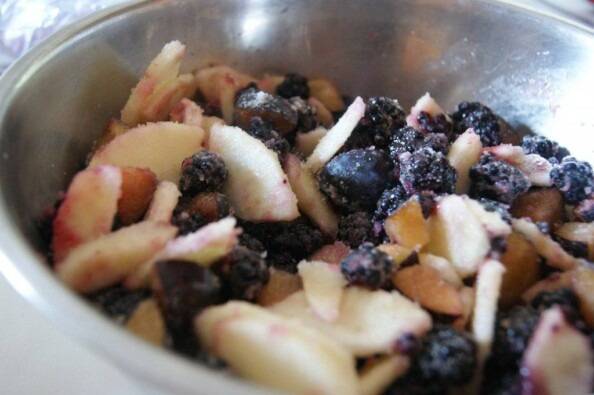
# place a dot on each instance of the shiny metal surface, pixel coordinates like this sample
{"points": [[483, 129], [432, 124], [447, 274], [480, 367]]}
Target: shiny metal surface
{"points": [[534, 71]]}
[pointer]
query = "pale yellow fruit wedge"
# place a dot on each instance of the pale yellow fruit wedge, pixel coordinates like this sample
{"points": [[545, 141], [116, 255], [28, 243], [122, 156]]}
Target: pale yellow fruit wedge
{"points": [[147, 322], [164, 201], [464, 153], [376, 378], [305, 143], [323, 284]]}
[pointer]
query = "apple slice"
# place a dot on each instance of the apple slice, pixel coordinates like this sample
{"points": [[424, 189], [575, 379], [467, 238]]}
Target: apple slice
{"points": [[159, 89], [332, 253], [458, 236], [407, 226], [88, 209], [110, 258], [160, 147], [257, 187], [488, 285], [578, 232], [425, 104], [545, 246], [305, 143], [424, 285], [399, 254], [491, 220], [147, 322], [444, 267], [203, 247], [164, 202], [323, 115], [553, 282], [323, 285], [583, 284], [467, 298], [464, 153], [540, 205], [280, 285], [138, 187], [369, 322], [376, 378], [534, 166], [187, 112], [324, 91], [275, 351], [522, 269], [332, 141], [558, 360], [310, 200]]}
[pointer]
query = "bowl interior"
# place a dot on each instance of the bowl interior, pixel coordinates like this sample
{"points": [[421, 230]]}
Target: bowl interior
{"points": [[533, 71]]}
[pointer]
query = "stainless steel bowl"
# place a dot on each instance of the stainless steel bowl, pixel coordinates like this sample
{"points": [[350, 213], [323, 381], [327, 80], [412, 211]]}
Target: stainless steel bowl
{"points": [[537, 72]]}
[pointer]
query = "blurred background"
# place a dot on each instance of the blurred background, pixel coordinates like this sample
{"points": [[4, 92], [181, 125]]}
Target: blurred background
{"points": [[36, 357]]}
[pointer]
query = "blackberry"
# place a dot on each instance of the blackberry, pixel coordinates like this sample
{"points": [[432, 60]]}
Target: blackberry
{"points": [[497, 180], [389, 202], [306, 115], [244, 273], [249, 241], [202, 172], [544, 147], [512, 333], [354, 180], [500, 208], [383, 116], [187, 222], [282, 261], [564, 298], [576, 248], [434, 124], [481, 119], [543, 227], [262, 130], [367, 266], [406, 139], [584, 211], [447, 357], [426, 169], [356, 228], [274, 110], [117, 301], [437, 141], [574, 179], [501, 382], [427, 199], [293, 85]]}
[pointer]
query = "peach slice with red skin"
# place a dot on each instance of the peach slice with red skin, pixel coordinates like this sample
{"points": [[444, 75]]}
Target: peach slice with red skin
{"points": [[164, 202], [257, 188], [583, 284], [464, 153], [88, 209], [580, 232], [332, 253], [325, 91], [553, 282], [540, 205], [305, 143], [323, 285], [187, 112], [444, 267], [147, 322], [323, 115], [160, 147], [407, 226], [398, 253], [280, 285], [138, 187], [522, 269]]}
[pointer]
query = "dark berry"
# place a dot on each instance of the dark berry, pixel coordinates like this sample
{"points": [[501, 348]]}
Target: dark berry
{"points": [[434, 124], [481, 119], [306, 114], [356, 228], [249, 241], [192, 214], [367, 266], [187, 222], [426, 169], [437, 141], [500, 208], [354, 180], [576, 248], [512, 333], [293, 85], [244, 273], [574, 179], [282, 261], [584, 211], [202, 172], [544, 147], [564, 298], [389, 202], [118, 301], [274, 110], [497, 180], [271, 139], [501, 382], [427, 199], [543, 227], [447, 357], [406, 139], [383, 116]]}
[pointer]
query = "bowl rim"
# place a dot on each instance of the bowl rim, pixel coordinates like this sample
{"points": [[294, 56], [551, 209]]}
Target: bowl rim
{"points": [[62, 307]]}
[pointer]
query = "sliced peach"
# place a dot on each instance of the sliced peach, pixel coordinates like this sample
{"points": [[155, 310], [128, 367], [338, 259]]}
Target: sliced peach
{"points": [[310, 200], [464, 153], [257, 187], [407, 226], [398, 253], [535, 167], [147, 322], [424, 285], [377, 377], [446, 270], [522, 269], [324, 91], [583, 284], [115, 127], [467, 298], [88, 209], [269, 82], [331, 253], [280, 285], [540, 205], [188, 112], [160, 147], [110, 258], [426, 104], [553, 282], [164, 202], [579, 232], [323, 115], [305, 143], [138, 187], [491, 220], [323, 284], [332, 141]]}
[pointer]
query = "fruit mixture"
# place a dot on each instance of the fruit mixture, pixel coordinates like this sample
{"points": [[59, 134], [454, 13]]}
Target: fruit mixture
{"points": [[318, 244]]}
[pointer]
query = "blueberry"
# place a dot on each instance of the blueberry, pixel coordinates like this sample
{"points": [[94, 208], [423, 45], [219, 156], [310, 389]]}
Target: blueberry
{"points": [[497, 180], [367, 266], [574, 179], [426, 169], [354, 180], [356, 228], [202, 172], [481, 119], [244, 273], [294, 85]]}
